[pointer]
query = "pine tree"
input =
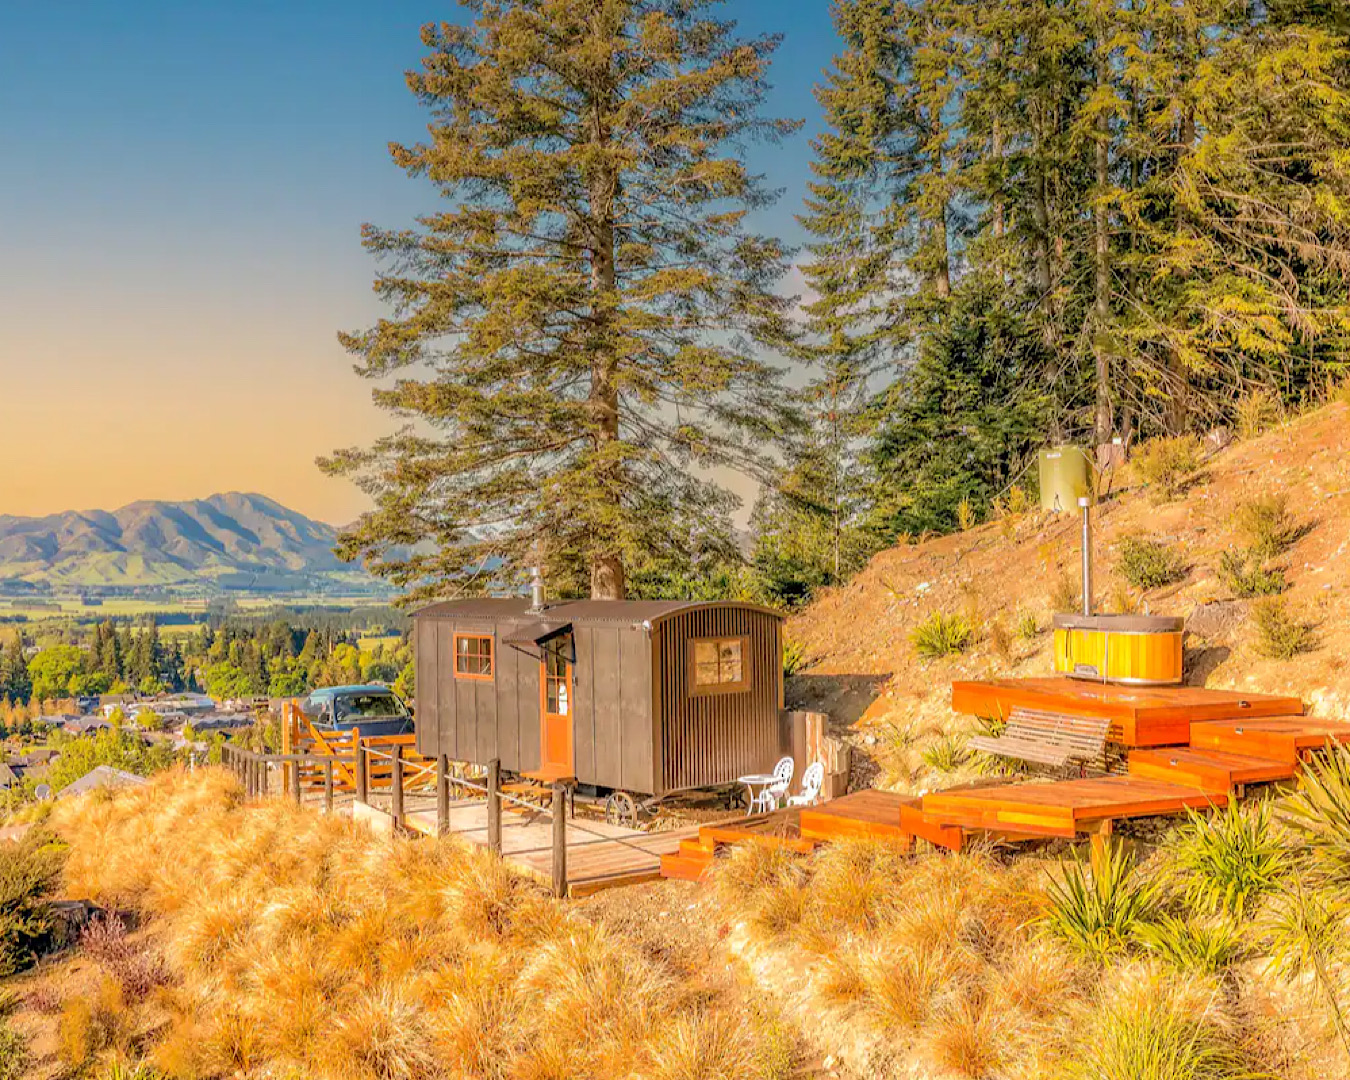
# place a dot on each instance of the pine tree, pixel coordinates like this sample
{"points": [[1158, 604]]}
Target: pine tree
{"points": [[18, 686], [964, 422], [587, 299]]}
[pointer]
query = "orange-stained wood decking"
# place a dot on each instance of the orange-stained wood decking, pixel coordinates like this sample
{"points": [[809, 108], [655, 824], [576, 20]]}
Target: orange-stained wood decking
{"points": [[1207, 768], [869, 813], [1066, 807], [1140, 716], [1283, 738]]}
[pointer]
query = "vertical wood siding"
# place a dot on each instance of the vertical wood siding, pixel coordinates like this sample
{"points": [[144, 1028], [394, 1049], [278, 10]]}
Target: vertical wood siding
{"points": [[636, 726], [711, 739]]}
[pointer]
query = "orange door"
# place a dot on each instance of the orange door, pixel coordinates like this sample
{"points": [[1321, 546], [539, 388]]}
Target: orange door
{"points": [[556, 707]]}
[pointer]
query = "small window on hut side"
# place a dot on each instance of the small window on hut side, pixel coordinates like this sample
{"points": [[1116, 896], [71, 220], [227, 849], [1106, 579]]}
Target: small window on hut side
{"points": [[473, 656], [718, 665]]}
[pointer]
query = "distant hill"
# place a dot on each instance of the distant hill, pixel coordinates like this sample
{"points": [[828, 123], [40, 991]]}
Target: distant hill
{"points": [[235, 542]]}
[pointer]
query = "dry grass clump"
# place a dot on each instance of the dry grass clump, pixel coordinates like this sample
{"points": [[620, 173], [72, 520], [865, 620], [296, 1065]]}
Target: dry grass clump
{"points": [[918, 950], [304, 945], [1167, 465]]}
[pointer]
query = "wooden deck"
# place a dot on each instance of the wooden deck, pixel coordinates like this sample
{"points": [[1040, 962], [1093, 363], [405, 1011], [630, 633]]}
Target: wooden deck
{"points": [[1067, 807], [599, 855], [1189, 749], [1140, 716]]}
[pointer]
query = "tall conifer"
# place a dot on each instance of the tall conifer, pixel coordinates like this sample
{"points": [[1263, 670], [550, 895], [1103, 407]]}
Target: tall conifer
{"points": [[574, 329]]}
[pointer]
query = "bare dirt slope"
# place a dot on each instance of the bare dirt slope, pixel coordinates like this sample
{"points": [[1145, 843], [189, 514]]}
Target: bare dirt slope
{"points": [[865, 671]]}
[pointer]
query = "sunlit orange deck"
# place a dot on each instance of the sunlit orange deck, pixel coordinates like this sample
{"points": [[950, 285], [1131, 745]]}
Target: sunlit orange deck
{"points": [[1191, 749], [1067, 807], [1140, 716]]}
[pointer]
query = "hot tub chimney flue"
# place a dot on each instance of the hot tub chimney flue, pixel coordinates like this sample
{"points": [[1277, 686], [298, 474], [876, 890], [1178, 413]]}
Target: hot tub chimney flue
{"points": [[1086, 508]]}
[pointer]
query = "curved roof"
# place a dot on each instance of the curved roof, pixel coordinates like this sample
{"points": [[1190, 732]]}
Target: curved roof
{"points": [[620, 612]]}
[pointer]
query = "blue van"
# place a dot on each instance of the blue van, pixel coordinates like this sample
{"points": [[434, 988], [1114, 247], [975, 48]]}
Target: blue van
{"points": [[376, 710]]}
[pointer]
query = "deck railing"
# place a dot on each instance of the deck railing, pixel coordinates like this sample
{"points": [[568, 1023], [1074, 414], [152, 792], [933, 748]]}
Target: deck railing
{"points": [[386, 759]]}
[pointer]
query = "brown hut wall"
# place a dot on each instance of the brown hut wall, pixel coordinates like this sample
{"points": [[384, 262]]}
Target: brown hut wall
{"points": [[427, 655], [476, 720], [611, 716], [714, 738]]}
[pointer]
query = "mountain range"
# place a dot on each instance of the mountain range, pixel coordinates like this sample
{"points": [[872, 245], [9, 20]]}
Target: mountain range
{"points": [[242, 542]]}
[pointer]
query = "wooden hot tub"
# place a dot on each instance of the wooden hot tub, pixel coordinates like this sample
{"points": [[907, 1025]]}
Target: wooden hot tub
{"points": [[1138, 650]]}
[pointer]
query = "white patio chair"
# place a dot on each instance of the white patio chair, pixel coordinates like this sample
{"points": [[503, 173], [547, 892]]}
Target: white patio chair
{"points": [[812, 781], [771, 797]]}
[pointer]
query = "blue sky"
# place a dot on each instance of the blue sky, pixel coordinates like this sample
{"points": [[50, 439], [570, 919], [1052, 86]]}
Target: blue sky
{"points": [[182, 186]]}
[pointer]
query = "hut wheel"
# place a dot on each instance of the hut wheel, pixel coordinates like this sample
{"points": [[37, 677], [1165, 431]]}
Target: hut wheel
{"points": [[620, 809]]}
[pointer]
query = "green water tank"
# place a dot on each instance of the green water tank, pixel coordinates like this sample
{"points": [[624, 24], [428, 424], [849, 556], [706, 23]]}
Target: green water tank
{"points": [[1065, 478]]}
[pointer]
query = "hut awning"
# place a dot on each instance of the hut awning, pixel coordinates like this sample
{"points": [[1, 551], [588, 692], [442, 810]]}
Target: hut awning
{"points": [[536, 632]]}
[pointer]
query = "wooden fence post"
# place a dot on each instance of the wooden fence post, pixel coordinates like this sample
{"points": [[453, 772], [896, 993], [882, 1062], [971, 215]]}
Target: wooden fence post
{"points": [[442, 794], [362, 775], [328, 785], [396, 785], [290, 771], [559, 840], [494, 805]]}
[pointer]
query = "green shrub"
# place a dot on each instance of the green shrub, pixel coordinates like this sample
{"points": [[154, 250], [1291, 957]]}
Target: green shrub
{"points": [[1097, 910], [1202, 947], [1066, 594], [942, 635], [794, 657], [1154, 1028], [1230, 860], [1242, 574], [14, 1055], [1257, 412], [946, 754], [1149, 564], [28, 873], [1266, 525], [1028, 626], [1320, 813], [1279, 635], [1167, 465]]}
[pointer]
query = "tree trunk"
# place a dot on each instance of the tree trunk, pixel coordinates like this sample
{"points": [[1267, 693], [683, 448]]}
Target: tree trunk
{"points": [[1102, 256], [1179, 379], [607, 569], [942, 276]]}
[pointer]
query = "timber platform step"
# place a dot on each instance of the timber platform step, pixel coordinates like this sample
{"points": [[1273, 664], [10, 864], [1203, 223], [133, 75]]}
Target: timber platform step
{"points": [[695, 855], [1279, 738], [1208, 769], [868, 814], [1064, 808]]}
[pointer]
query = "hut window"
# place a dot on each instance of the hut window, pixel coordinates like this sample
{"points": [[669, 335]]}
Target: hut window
{"points": [[473, 656], [718, 665]]}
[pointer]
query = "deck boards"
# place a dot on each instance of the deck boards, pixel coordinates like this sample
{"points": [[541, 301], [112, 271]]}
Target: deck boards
{"points": [[1140, 716], [1284, 738], [1066, 807], [1207, 768], [870, 814], [599, 855]]}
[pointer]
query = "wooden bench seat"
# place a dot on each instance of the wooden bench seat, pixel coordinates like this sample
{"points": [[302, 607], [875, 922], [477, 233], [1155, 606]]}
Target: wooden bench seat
{"points": [[1047, 738]]}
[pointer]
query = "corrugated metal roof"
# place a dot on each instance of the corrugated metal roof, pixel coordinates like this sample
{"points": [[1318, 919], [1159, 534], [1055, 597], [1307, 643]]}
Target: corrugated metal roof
{"points": [[623, 612], [535, 632]]}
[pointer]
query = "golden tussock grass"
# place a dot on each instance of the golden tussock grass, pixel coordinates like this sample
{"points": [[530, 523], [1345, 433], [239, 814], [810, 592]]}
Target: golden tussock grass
{"points": [[304, 945]]}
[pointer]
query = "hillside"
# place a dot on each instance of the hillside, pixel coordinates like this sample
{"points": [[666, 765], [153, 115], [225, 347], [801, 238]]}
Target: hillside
{"points": [[864, 670], [235, 541]]}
